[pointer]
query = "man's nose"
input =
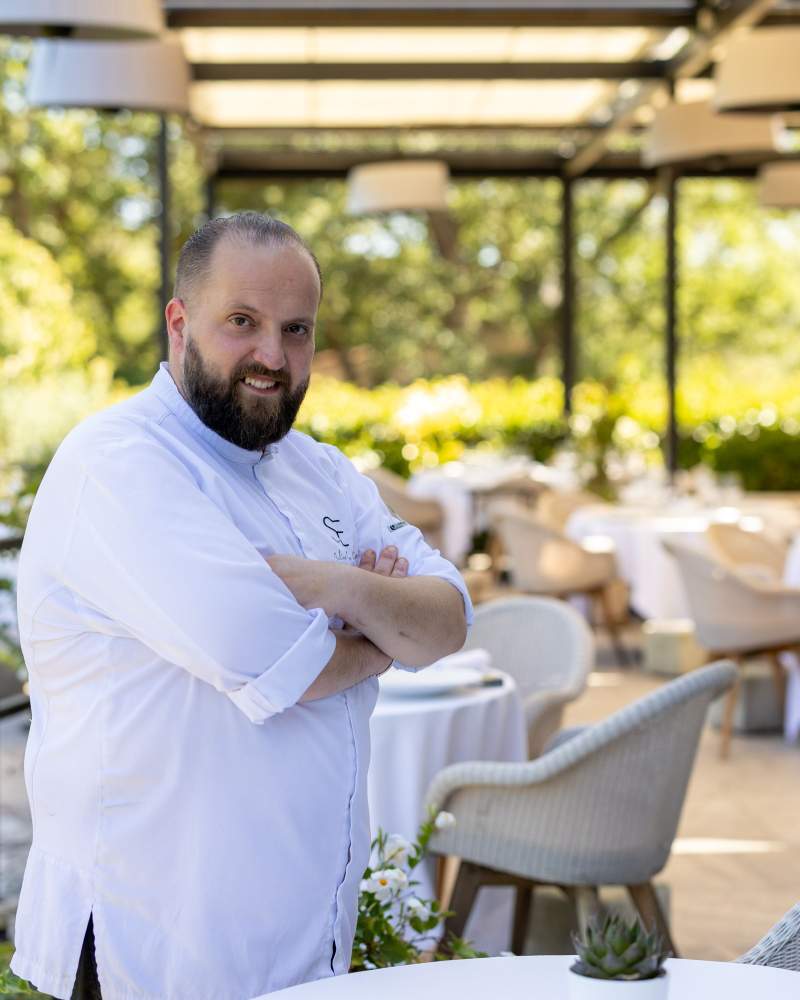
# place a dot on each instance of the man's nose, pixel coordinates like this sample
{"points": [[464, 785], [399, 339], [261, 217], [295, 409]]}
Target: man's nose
{"points": [[269, 350]]}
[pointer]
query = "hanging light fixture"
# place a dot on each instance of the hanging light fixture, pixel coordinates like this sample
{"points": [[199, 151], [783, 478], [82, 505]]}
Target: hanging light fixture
{"points": [[760, 72], [687, 133], [82, 18], [150, 75], [779, 185], [398, 185]]}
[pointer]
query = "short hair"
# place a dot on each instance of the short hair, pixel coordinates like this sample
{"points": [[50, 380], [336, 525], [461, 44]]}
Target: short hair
{"points": [[194, 260]]}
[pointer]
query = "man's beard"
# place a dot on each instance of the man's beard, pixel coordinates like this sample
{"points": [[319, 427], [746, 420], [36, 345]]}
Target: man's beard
{"points": [[251, 425]]}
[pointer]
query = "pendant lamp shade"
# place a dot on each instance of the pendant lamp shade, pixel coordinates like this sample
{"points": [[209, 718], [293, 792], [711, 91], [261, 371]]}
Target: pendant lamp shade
{"points": [[687, 133], [82, 18], [779, 185], [139, 75], [398, 185], [760, 72]]}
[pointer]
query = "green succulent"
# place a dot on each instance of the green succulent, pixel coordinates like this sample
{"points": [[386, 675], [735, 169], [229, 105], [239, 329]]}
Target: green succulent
{"points": [[612, 948]]}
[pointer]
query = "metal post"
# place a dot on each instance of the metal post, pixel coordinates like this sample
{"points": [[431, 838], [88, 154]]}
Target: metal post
{"points": [[165, 233], [211, 196], [567, 293], [671, 346]]}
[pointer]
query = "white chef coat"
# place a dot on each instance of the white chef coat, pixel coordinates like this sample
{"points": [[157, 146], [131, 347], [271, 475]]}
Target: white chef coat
{"points": [[215, 828]]}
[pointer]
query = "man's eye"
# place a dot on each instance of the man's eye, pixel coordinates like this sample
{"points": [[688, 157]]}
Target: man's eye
{"points": [[240, 321], [300, 329]]}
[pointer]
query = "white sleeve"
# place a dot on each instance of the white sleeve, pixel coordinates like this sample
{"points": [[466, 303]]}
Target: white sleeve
{"points": [[153, 553], [377, 526]]}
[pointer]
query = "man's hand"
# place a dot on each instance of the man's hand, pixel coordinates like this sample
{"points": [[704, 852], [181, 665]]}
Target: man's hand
{"points": [[388, 563]]}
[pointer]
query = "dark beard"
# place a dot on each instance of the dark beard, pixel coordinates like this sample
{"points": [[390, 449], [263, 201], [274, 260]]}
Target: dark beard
{"points": [[220, 406]]}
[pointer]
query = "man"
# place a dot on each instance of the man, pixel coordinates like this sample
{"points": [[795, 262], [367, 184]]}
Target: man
{"points": [[205, 600]]}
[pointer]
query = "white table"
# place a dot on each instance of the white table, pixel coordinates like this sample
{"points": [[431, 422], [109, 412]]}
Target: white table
{"points": [[413, 738], [545, 977]]}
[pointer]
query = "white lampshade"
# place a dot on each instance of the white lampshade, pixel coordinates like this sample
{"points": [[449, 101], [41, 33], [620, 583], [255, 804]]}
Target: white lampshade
{"points": [[139, 75], [398, 185], [82, 18], [686, 133], [760, 72], [779, 185]]}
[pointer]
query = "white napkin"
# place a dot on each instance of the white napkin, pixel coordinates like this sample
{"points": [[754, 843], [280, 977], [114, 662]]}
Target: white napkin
{"points": [[479, 660]]}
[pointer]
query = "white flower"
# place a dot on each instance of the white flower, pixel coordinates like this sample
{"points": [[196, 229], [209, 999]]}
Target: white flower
{"points": [[396, 849], [385, 883], [444, 820], [418, 908]]}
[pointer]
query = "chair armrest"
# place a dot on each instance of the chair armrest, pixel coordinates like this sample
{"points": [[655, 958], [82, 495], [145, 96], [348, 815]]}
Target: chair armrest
{"points": [[562, 736]]}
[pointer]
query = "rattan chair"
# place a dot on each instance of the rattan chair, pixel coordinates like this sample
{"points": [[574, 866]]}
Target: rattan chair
{"points": [[602, 808], [548, 649], [546, 562], [780, 946], [737, 615]]}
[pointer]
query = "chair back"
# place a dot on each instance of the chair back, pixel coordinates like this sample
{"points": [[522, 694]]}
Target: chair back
{"points": [[540, 560], [751, 551], [548, 649], [555, 506], [780, 946]]}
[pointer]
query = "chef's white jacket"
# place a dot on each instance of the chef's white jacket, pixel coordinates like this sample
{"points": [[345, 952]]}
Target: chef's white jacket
{"points": [[215, 828]]}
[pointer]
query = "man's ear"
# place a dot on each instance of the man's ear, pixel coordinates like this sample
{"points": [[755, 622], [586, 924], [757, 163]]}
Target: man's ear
{"points": [[176, 318]]}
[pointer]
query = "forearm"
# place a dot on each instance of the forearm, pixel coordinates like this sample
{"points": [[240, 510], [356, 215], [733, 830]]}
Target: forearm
{"points": [[354, 660], [415, 620]]}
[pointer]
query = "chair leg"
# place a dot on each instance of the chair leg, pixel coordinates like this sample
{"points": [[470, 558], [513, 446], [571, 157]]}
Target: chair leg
{"points": [[522, 913], [586, 900], [465, 891], [779, 677], [727, 716], [646, 902], [620, 651]]}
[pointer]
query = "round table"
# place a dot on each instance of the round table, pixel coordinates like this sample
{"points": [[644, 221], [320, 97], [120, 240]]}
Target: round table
{"points": [[413, 738], [545, 977]]}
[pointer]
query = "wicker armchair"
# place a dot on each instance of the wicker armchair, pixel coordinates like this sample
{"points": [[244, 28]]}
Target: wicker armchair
{"points": [[780, 947], [737, 615], [602, 808], [544, 561], [547, 648]]}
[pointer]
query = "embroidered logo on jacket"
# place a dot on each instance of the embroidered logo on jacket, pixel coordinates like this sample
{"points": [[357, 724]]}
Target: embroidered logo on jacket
{"points": [[330, 523]]}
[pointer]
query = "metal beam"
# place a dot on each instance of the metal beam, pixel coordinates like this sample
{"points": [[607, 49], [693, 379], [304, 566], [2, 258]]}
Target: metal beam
{"points": [[426, 14], [165, 232], [693, 59], [567, 292], [640, 69]]}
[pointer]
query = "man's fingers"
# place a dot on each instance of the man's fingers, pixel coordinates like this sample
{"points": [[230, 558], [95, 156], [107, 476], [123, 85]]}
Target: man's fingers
{"points": [[367, 560], [386, 561], [400, 567]]}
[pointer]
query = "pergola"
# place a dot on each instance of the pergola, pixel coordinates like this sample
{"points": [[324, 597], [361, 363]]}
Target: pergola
{"points": [[515, 88]]}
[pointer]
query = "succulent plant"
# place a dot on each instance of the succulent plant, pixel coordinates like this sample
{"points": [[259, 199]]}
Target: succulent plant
{"points": [[612, 948]]}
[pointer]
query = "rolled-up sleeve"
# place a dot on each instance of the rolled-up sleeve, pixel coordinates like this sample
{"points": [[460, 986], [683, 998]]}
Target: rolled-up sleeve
{"points": [[156, 556]]}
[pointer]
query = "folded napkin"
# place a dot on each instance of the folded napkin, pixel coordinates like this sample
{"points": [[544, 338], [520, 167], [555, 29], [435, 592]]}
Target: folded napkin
{"points": [[478, 660]]}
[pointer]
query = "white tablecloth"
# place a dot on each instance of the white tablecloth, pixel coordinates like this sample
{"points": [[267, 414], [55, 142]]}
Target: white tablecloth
{"points": [[791, 719], [545, 977], [412, 740]]}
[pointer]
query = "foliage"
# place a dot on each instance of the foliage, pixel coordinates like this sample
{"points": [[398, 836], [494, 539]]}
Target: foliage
{"points": [[612, 948], [11, 986], [394, 926]]}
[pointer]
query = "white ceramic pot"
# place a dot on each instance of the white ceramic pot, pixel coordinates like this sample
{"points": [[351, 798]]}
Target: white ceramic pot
{"points": [[584, 988]]}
